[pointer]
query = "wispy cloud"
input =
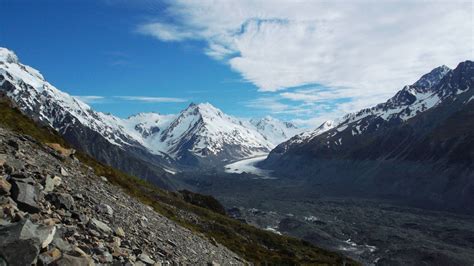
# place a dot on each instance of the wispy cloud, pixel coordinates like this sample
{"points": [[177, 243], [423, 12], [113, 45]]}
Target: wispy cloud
{"points": [[94, 99], [148, 99], [166, 32], [90, 98], [360, 50]]}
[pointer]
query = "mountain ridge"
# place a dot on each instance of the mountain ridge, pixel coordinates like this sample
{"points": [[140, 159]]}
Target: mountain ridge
{"points": [[416, 148]]}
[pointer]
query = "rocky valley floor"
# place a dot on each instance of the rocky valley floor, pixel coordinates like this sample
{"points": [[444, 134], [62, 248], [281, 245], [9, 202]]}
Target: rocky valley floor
{"points": [[56, 210], [373, 232]]}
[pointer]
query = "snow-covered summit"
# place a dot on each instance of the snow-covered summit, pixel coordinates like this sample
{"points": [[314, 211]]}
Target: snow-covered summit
{"points": [[405, 104], [275, 130]]}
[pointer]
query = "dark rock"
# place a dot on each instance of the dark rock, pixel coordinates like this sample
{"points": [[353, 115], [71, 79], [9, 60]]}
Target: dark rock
{"points": [[13, 144], [21, 242], [82, 218], [26, 196], [61, 200]]}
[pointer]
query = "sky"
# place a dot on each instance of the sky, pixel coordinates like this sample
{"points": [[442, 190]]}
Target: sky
{"points": [[297, 60]]}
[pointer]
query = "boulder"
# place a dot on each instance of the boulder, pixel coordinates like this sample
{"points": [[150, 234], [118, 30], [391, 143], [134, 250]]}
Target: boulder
{"points": [[21, 242], [26, 196]]}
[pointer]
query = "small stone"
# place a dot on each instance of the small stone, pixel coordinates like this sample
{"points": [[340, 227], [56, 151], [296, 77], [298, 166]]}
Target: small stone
{"points": [[49, 256], [51, 183], [104, 208], [98, 225], [64, 172], [119, 231], [106, 258], [68, 260], [103, 178], [5, 186], [146, 259]]}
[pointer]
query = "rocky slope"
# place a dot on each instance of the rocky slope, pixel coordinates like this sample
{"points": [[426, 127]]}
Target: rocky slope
{"points": [[416, 147], [55, 210]]}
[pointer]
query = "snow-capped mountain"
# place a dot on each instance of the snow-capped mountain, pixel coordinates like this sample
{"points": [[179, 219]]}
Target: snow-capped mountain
{"points": [[42, 101], [274, 130], [200, 133], [203, 132], [417, 147], [408, 102]]}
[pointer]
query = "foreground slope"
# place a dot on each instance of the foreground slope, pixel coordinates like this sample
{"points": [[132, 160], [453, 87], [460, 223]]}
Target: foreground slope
{"points": [[418, 147], [162, 239]]}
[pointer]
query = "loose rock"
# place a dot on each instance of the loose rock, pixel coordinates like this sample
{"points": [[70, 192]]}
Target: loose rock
{"points": [[5, 186], [98, 225], [26, 196]]}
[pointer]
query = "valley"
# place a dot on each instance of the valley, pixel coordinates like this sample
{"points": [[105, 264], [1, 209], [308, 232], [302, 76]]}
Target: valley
{"points": [[371, 231]]}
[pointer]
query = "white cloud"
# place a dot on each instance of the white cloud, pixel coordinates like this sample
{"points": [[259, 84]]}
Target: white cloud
{"points": [[364, 50], [148, 99]]}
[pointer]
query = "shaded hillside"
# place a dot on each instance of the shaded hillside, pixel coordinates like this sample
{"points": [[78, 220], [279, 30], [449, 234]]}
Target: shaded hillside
{"points": [[425, 160]]}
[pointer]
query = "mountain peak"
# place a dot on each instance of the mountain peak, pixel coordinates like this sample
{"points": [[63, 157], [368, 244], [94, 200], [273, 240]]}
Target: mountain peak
{"points": [[432, 78], [8, 56]]}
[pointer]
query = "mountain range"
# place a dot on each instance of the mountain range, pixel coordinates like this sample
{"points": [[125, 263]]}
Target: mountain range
{"points": [[417, 147], [148, 145]]}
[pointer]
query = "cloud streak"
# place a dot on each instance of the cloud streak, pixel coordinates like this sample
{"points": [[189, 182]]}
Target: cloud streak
{"points": [[148, 99], [94, 99], [89, 99]]}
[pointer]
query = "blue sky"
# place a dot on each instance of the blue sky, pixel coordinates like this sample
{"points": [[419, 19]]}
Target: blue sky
{"points": [[304, 62]]}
